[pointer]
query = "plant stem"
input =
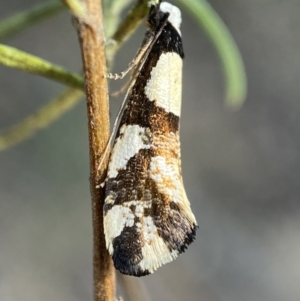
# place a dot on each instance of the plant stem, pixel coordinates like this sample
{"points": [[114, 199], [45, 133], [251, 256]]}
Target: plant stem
{"points": [[40, 119], [90, 32], [24, 19], [127, 27], [223, 42], [14, 58]]}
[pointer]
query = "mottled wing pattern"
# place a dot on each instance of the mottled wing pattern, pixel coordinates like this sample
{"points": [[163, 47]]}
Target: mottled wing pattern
{"points": [[147, 216]]}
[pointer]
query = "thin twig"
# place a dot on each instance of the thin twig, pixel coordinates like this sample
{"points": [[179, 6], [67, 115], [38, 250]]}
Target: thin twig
{"points": [[90, 33], [127, 27], [112, 14], [131, 22], [77, 8], [231, 59], [41, 119], [24, 19], [14, 58]]}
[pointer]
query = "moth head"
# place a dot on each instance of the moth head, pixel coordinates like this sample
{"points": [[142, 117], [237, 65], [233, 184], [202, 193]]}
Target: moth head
{"points": [[174, 14], [162, 11]]}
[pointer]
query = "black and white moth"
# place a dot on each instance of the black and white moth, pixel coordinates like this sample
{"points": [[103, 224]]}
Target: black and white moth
{"points": [[147, 217]]}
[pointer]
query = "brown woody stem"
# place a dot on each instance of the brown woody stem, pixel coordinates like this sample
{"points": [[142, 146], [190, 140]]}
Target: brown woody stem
{"points": [[90, 32]]}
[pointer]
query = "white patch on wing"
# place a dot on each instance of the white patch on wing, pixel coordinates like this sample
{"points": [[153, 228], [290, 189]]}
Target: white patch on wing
{"points": [[156, 254], [132, 138], [165, 84], [149, 230], [114, 222], [120, 216]]}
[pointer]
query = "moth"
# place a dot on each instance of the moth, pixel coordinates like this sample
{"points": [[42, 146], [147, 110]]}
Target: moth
{"points": [[148, 220]]}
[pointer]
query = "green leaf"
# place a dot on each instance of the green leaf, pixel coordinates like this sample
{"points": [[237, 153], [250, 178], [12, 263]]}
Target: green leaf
{"points": [[232, 62], [15, 58], [24, 19]]}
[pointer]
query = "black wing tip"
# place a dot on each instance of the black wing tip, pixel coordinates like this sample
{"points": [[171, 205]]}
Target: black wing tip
{"points": [[127, 258], [130, 265], [129, 269], [189, 238]]}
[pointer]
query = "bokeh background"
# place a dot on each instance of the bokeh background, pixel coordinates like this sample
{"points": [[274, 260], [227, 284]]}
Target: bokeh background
{"points": [[241, 169]]}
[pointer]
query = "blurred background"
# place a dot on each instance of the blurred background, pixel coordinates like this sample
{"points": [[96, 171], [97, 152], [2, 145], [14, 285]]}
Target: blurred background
{"points": [[241, 169]]}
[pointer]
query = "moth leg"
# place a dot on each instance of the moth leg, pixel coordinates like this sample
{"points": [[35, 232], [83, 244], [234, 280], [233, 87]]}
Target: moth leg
{"points": [[120, 75], [121, 90], [137, 59]]}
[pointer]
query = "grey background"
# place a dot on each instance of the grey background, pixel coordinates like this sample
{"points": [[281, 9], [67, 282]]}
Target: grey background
{"points": [[241, 169]]}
